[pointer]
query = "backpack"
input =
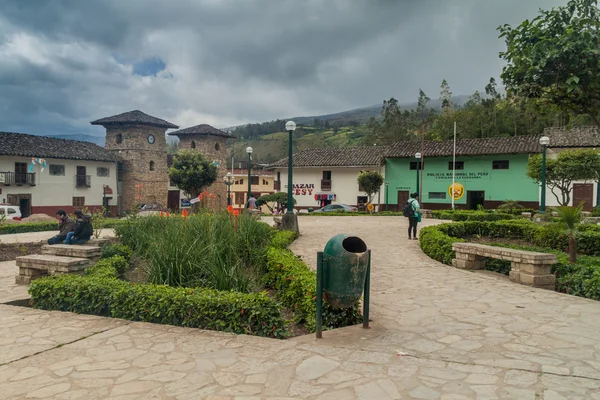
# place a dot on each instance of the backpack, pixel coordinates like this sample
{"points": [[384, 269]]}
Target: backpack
{"points": [[408, 210]]}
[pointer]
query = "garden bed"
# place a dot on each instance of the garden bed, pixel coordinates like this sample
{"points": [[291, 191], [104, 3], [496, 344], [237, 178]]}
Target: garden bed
{"points": [[10, 251], [580, 279], [208, 271]]}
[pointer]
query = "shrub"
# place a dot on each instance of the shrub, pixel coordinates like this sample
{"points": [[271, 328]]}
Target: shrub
{"points": [[216, 251], [28, 227], [295, 284], [596, 212], [437, 244], [100, 293], [112, 249], [464, 215], [281, 240]]}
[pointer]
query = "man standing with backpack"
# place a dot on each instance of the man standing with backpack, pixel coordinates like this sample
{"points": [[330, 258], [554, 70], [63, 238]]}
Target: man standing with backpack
{"points": [[412, 210]]}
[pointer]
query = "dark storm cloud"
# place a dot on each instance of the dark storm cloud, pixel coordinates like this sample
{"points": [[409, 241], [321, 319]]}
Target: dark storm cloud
{"points": [[228, 62]]}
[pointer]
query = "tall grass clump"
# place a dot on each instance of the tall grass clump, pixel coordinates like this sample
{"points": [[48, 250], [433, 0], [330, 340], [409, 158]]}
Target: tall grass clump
{"points": [[217, 251]]}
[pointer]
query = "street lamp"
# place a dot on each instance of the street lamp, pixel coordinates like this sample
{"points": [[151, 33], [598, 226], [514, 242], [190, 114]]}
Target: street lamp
{"points": [[418, 157], [544, 141], [228, 179], [290, 221], [249, 151], [387, 184]]}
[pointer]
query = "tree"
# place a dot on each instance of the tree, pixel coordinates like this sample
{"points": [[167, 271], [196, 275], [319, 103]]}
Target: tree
{"points": [[370, 182], [561, 172], [555, 57], [569, 218], [275, 201], [192, 172], [446, 96]]}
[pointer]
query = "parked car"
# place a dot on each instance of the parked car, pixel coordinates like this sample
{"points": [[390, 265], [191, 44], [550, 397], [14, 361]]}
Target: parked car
{"points": [[337, 208], [151, 209], [10, 212]]}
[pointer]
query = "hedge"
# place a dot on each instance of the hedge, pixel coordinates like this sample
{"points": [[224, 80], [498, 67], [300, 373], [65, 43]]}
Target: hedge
{"points": [[99, 292], [295, 284], [465, 215], [25, 227], [580, 279], [354, 214]]}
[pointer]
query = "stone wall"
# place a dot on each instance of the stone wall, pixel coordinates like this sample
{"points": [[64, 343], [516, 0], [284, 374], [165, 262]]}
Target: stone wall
{"points": [[140, 184], [214, 149]]}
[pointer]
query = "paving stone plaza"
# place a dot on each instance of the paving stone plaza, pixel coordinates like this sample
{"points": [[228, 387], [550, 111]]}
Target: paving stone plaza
{"points": [[436, 333]]}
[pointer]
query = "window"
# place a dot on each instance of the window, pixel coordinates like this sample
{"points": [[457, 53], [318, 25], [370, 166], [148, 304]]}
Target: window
{"points": [[57, 170], [119, 138], [217, 147], [12, 211], [193, 145], [437, 195], [240, 182], [239, 198], [102, 171], [78, 201], [265, 182], [151, 165], [413, 165], [254, 180], [500, 164], [326, 175], [458, 165]]}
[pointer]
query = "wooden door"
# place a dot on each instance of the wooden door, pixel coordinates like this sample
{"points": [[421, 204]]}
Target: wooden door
{"points": [[81, 180], [583, 193], [20, 174], [402, 199], [173, 200]]}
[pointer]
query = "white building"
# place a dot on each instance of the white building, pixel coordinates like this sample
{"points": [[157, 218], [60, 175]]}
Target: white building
{"points": [[329, 176], [586, 192], [42, 174]]}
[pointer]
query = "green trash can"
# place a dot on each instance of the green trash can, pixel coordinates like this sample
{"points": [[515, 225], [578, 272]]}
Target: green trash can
{"points": [[346, 260]]}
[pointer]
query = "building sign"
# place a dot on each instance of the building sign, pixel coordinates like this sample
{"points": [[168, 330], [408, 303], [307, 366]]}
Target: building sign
{"points": [[459, 175], [302, 189], [456, 191]]}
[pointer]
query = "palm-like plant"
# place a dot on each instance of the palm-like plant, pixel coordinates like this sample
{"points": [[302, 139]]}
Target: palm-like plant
{"points": [[510, 205], [569, 218]]}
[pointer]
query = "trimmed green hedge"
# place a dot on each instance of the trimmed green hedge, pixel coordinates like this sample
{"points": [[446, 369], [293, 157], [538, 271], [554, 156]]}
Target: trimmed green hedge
{"points": [[580, 279], [465, 215], [99, 292], [295, 284], [351, 214], [114, 249], [26, 227]]}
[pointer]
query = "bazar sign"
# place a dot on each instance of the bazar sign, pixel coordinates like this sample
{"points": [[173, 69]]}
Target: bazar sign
{"points": [[458, 175], [302, 189]]}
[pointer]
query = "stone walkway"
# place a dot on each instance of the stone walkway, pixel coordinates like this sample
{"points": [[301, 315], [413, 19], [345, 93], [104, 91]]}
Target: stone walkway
{"points": [[437, 333]]}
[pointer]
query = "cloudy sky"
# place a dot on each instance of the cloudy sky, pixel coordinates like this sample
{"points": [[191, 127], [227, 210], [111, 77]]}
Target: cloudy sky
{"points": [[64, 63]]}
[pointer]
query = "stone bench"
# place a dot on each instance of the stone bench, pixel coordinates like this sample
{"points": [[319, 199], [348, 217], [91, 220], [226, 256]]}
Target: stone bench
{"points": [[91, 242], [425, 213], [527, 267], [38, 265], [65, 250]]}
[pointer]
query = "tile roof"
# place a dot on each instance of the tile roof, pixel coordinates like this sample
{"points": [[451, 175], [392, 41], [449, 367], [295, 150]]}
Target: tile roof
{"points": [[202, 129], [134, 117], [336, 157], [21, 144], [467, 147], [588, 136]]}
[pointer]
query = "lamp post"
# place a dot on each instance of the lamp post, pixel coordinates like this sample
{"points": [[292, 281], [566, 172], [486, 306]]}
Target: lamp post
{"points": [[544, 141], [387, 184], [418, 157], [249, 151], [228, 179], [290, 220]]}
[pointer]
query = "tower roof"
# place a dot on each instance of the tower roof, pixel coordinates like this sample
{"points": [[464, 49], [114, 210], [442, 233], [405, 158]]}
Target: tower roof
{"points": [[135, 117], [202, 130]]}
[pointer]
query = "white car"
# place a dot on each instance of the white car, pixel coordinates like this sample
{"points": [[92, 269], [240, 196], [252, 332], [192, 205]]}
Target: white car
{"points": [[10, 212]]}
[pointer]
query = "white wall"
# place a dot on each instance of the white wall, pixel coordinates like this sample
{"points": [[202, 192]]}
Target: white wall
{"points": [[343, 184], [550, 198], [60, 190]]}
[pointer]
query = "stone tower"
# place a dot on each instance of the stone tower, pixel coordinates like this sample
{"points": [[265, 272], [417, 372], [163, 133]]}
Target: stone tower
{"points": [[139, 142], [211, 142]]}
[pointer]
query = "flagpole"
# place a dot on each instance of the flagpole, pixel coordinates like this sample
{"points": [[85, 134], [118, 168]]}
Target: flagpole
{"points": [[453, 167]]}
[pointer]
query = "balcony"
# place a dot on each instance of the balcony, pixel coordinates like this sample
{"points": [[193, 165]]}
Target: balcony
{"points": [[17, 178], [83, 181], [325, 185], [277, 186]]}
